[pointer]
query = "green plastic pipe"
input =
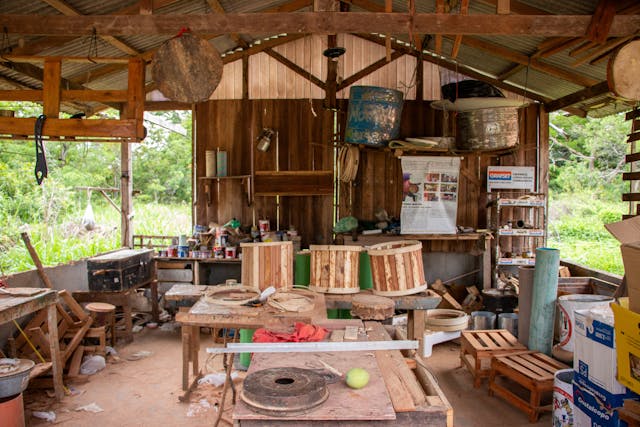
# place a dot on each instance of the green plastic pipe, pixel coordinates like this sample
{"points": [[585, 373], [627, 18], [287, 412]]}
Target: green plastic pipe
{"points": [[543, 305], [246, 336]]}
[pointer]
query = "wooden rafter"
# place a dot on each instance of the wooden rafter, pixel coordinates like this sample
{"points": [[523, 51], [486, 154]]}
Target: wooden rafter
{"points": [[574, 98], [534, 63], [68, 10], [370, 69], [464, 10], [438, 40], [316, 23], [459, 68], [217, 8], [601, 21], [295, 67]]}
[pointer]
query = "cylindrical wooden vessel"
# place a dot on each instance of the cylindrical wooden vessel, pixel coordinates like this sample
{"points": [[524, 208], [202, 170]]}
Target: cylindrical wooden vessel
{"points": [[267, 264], [335, 269], [397, 268]]}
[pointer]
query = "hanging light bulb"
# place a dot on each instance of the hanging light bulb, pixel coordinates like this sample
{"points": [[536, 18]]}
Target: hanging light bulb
{"points": [[264, 139]]}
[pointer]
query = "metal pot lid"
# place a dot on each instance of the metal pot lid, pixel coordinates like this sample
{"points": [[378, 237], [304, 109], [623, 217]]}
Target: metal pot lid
{"points": [[284, 392], [11, 367]]}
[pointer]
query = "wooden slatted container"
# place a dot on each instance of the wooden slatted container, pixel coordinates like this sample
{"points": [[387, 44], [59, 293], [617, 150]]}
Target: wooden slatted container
{"points": [[335, 269], [267, 264], [397, 268]]}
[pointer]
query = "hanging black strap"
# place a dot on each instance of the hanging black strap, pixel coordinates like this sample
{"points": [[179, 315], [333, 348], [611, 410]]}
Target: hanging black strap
{"points": [[41, 160]]}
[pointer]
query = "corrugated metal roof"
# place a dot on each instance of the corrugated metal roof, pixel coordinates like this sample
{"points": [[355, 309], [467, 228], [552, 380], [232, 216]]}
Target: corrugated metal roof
{"points": [[545, 84]]}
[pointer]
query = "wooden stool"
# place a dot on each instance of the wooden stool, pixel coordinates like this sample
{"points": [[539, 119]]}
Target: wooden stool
{"points": [[478, 347], [533, 371], [108, 311]]}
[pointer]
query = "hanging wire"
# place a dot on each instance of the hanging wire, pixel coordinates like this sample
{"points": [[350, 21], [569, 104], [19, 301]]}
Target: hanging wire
{"points": [[93, 46], [526, 81], [310, 64]]}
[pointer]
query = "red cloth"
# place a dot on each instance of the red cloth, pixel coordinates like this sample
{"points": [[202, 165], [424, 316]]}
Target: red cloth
{"points": [[302, 333]]}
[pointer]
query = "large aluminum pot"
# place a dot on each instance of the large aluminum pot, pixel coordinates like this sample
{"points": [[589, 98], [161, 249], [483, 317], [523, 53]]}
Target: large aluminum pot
{"points": [[14, 376]]}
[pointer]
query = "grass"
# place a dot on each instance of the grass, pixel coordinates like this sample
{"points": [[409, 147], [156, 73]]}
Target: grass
{"points": [[576, 228], [68, 240]]}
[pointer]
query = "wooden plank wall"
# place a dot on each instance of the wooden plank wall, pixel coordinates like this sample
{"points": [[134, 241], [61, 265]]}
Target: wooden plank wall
{"points": [[233, 126], [379, 184]]}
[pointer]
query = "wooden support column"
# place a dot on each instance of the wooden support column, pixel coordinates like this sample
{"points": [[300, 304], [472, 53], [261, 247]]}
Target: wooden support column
{"points": [[51, 84], [126, 195], [136, 95], [419, 76], [54, 349], [245, 77]]}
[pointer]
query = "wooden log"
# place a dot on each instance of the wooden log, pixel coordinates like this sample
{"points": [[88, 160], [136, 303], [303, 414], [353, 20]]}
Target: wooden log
{"points": [[187, 69], [622, 71], [372, 307]]}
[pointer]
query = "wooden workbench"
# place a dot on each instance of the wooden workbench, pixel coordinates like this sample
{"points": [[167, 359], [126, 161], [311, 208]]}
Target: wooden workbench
{"points": [[416, 306], [210, 315], [13, 308], [395, 396]]}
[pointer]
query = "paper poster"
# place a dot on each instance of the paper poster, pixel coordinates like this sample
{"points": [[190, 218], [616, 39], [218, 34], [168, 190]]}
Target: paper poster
{"points": [[429, 195], [511, 177]]}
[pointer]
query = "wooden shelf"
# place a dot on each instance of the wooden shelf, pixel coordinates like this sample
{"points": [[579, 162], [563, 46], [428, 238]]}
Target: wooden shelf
{"points": [[517, 261], [204, 260], [521, 232], [224, 177], [380, 238]]}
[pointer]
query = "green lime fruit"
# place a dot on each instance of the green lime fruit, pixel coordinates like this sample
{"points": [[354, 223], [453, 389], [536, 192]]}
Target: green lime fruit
{"points": [[357, 378]]}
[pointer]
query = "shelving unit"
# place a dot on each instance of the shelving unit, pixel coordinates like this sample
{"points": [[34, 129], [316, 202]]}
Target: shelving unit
{"points": [[519, 225]]}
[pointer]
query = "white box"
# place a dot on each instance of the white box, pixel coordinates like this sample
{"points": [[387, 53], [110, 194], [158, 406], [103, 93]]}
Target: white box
{"points": [[594, 355]]}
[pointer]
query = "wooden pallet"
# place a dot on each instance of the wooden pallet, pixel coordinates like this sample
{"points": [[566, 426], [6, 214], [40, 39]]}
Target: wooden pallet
{"points": [[478, 347], [533, 371]]}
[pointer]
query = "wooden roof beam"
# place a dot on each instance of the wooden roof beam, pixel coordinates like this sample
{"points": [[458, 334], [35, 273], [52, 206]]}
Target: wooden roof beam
{"points": [[217, 8], [68, 10], [534, 63], [573, 98], [464, 10], [601, 21], [295, 67], [315, 23], [459, 68], [369, 69], [438, 38]]}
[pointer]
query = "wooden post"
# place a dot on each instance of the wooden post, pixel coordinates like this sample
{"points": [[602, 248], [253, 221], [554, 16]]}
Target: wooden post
{"points": [[136, 95], [36, 260], [54, 349], [51, 85], [126, 195]]}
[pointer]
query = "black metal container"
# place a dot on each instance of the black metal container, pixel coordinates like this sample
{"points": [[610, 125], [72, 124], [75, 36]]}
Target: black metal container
{"points": [[500, 300], [120, 270]]}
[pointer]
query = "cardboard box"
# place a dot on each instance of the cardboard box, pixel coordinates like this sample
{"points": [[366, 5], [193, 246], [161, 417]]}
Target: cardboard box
{"points": [[594, 406], [628, 234], [594, 355], [627, 331]]}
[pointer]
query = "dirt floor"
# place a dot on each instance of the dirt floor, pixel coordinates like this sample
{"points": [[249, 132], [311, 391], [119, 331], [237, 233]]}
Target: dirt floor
{"points": [[141, 390]]}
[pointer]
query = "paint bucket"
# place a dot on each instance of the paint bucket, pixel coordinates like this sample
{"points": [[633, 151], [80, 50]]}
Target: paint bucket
{"points": [[183, 251], [366, 277], [182, 241], [263, 225], [210, 163], [12, 411], [563, 398], [483, 320], [567, 304], [508, 321], [230, 252], [373, 117], [172, 252]]}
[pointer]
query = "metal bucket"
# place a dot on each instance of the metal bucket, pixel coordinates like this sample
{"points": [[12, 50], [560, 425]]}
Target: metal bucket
{"points": [[483, 320], [508, 321], [374, 114], [16, 378], [487, 129]]}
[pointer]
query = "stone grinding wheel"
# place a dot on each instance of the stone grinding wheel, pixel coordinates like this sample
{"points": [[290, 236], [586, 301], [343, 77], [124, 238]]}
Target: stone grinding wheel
{"points": [[187, 69], [284, 392], [623, 70]]}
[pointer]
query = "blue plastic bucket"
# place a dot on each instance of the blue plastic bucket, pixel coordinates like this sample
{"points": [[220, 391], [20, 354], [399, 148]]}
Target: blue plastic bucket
{"points": [[374, 114]]}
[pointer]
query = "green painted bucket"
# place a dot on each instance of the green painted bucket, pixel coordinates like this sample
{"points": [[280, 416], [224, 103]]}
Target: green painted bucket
{"points": [[302, 271], [365, 279]]}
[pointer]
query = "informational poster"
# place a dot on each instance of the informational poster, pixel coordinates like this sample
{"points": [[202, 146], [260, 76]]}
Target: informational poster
{"points": [[510, 178], [429, 195]]}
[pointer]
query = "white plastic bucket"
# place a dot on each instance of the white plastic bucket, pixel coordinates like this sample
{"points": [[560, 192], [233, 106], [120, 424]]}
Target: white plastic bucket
{"points": [[567, 305], [563, 398]]}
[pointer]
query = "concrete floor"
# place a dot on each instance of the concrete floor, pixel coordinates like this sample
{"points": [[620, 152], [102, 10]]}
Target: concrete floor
{"points": [[145, 392]]}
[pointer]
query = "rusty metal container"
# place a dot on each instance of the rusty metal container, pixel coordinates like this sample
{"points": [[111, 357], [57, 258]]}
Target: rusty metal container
{"points": [[487, 129]]}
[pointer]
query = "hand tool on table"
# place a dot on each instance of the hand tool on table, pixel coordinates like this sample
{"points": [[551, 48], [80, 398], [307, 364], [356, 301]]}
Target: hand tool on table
{"points": [[264, 295]]}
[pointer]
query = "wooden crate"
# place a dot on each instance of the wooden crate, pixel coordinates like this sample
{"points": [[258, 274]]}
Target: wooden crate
{"points": [[533, 371], [478, 347]]}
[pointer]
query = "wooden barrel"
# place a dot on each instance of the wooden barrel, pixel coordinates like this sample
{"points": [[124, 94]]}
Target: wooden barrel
{"points": [[267, 264], [335, 269], [397, 268]]}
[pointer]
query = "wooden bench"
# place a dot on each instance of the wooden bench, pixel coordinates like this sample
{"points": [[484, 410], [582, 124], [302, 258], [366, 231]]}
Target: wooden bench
{"points": [[478, 347], [533, 371]]}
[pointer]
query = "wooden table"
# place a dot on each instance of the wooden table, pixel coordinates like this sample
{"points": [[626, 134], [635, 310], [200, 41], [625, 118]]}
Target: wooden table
{"points": [[12, 308], [210, 315], [416, 306]]}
